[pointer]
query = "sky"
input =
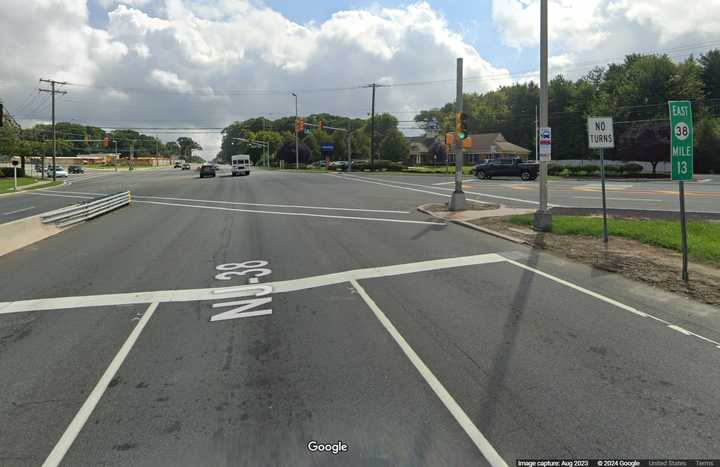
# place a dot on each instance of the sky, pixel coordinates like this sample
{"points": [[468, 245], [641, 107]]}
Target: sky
{"points": [[207, 63]]}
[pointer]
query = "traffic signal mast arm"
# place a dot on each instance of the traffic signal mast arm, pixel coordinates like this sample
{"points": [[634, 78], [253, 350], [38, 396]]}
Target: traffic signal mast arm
{"points": [[325, 127]]}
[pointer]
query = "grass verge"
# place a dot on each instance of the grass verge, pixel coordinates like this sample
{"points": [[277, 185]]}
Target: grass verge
{"points": [[703, 237], [7, 184]]}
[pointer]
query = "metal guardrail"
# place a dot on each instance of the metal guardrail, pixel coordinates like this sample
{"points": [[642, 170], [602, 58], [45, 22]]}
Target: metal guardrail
{"points": [[84, 211]]}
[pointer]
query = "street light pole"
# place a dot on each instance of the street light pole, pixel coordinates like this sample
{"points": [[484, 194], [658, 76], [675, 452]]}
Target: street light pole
{"points": [[543, 219], [297, 151]]}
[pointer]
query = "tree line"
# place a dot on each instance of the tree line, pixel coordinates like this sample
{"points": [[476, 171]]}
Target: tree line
{"points": [[75, 139], [635, 93], [390, 143]]}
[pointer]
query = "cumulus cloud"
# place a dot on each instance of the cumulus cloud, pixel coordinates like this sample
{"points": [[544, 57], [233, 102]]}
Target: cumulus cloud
{"points": [[158, 62], [599, 30], [206, 63]]}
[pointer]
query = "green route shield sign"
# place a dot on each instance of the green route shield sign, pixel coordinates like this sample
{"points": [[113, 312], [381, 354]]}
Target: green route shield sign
{"points": [[681, 147]]}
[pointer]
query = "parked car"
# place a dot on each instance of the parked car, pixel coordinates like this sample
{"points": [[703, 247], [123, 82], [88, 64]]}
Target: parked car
{"points": [[506, 167], [318, 164], [59, 171], [186, 166], [339, 165], [207, 171], [177, 165], [76, 169]]}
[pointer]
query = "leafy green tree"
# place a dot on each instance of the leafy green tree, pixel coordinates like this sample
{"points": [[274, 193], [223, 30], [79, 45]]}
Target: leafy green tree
{"points": [[394, 147], [710, 73]]}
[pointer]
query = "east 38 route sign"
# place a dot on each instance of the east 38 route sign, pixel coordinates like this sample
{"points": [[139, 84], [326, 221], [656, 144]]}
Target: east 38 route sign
{"points": [[681, 128]]}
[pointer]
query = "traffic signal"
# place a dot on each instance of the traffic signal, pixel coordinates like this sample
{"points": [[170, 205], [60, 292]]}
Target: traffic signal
{"points": [[461, 125], [106, 141], [322, 125], [87, 139], [449, 139], [2, 115], [299, 125]]}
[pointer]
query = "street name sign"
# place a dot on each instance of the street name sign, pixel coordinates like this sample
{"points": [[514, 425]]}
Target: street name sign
{"points": [[681, 145], [600, 133]]}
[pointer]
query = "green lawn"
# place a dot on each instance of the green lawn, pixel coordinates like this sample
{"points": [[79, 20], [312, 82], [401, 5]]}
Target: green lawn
{"points": [[703, 237], [6, 183]]}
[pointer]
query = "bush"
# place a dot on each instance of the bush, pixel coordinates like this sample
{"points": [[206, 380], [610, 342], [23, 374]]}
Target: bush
{"points": [[591, 169], [613, 169], [8, 172], [632, 168], [581, 173], [565, 172], [555, 169]]}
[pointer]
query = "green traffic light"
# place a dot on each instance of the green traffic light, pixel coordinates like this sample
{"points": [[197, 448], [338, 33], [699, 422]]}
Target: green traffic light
{"points": [[462, 135]]}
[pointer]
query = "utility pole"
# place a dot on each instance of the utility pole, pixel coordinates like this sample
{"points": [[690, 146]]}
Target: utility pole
{"points": [[457, 201], [372, 131], [542, 220], [52, 91], [297, 142]]}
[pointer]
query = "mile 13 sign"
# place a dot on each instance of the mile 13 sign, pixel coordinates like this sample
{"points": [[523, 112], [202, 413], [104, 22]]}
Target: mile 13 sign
{"points": [[681, 146]]}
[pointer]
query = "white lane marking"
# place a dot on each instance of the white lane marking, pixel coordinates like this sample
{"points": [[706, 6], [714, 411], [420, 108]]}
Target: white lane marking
{"points": [[476, 193], [679, 329], [72, 431], [608, 186], [292, 285], [487, 450], [248, 314], [621, 199], [325, 208], [282, 213], [614, 302], [19, 210], [453, 182], [55, 194], [705, 180]]}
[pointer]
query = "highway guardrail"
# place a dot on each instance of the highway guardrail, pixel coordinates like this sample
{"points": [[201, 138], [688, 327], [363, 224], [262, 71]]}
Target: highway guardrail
{"points": [[82, 212]]}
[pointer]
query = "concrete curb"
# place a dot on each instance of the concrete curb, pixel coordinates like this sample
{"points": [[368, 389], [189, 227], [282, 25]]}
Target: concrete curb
{"points": [[478, 228]]}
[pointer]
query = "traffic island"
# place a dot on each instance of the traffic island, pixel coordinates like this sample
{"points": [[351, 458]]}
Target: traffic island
{"points": [[474, 211], [632, 250]]}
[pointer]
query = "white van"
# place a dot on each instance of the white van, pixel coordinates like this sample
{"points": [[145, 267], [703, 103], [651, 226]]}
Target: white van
{"points": [[240, 164]]}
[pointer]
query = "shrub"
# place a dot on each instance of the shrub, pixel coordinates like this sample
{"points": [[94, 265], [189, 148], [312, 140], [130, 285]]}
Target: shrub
{"points": [[632, 168], [555, 169], [591, 169], [565, 172], [613, 169], [8, 172], [581, 173]]}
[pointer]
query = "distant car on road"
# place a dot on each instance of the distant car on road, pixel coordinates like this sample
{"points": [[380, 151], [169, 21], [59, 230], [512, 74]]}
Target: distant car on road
{"points": [[76, 169], [318, 164], [186, 166], [240, 164], [507, 167], [59, 171], [207, 170], [177, 165], [342, 165]]}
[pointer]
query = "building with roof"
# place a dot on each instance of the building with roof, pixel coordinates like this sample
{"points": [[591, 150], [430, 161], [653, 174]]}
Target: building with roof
{"points": [[491, 146], [429, 150]]}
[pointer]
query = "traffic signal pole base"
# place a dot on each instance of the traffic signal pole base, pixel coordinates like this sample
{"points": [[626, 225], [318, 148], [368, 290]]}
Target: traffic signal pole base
{"points": [[542, 221], [457, 201]]}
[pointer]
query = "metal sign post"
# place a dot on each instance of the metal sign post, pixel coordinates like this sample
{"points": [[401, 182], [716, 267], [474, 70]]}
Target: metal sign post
{"points": [[457, 199], [601, 136], [681, 158], [14, 164]]}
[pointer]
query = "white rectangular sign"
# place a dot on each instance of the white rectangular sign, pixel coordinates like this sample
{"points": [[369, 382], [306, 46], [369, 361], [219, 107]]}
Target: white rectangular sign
{"points": [[545, 143], [600, 132]]}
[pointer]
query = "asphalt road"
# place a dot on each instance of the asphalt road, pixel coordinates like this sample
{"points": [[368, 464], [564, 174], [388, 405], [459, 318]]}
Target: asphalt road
{"points": [[412, 342]]}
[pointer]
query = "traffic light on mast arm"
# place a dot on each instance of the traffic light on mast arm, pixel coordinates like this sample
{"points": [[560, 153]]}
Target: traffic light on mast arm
{"points": [[299, 125], [322, 125], [461, 125]]}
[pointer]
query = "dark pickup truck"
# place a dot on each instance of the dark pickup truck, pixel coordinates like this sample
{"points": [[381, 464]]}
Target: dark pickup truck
{"points": [[506, 168]]}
